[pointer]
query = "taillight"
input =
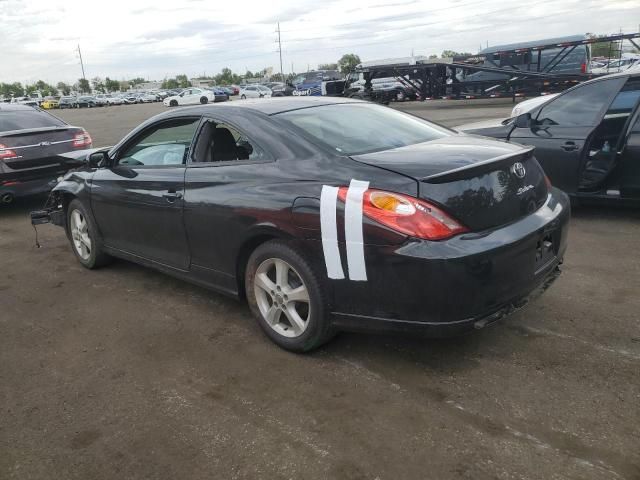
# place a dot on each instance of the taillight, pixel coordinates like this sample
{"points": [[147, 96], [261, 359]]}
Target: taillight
{"points": [[583, 68], [82, 139], [6, 153], [407, 215]]}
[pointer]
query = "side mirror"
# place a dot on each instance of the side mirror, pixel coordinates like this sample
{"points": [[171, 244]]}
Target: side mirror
{"points": [[523, 120], [97, 159]]}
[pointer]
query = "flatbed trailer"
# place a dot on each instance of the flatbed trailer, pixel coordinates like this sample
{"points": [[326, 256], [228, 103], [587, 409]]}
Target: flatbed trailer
{"points": [[446, 78]]}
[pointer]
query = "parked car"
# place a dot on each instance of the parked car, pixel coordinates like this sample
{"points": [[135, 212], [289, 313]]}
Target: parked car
{"points": [[86, 101], [147, 98], [219, 93], [254, 91], [619, 65], [190, 96], [587, 138], [33, 144], [326, 214], [50, 103], [101, 100], [130, 98], [531, 103], [67, 102], [31, 102], [113, 99]]}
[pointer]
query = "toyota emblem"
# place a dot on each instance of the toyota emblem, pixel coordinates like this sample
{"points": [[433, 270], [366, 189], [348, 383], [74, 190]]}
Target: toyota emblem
{"points": [[518, 170]]}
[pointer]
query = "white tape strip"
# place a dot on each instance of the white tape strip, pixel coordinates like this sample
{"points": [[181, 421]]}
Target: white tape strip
{"points": [[353, 230], [329, 232]]}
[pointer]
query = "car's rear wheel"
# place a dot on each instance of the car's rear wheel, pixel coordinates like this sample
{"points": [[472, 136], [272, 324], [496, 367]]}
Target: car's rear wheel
{"points": [[286, 297], [204, 100], [83, 234], [173, 103]]}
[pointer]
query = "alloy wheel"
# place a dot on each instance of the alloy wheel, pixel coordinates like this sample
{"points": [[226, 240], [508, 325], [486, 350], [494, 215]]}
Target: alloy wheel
{"points": [[80, 234], [282, 297]]}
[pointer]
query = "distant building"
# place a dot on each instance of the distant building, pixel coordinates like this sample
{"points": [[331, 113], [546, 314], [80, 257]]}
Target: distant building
{"points": [[202, 82]]}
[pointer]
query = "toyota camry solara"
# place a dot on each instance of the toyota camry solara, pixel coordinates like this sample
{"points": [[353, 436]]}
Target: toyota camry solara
{"points": [[325, 214]]}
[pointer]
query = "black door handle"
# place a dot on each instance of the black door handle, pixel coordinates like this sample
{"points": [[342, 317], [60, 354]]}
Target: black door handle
{"points": [[569, 146], [172, 196]]}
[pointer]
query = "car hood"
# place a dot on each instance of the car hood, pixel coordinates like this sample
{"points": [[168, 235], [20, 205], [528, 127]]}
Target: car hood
{"points": [[492, 128]]}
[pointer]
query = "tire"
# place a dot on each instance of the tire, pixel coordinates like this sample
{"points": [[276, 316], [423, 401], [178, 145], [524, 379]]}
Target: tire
{"points": [[243, 97], [312, 327], [204, 100], [173, 103], [84, 238]]}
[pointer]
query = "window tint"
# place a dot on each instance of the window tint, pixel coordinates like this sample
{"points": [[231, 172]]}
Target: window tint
{"points": [[580, 107], [21, 119], [355, 128], [167, 144], [220, 142], [626, 100]]}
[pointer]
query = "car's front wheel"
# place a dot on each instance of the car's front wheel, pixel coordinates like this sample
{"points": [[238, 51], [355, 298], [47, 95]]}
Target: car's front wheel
{"points": [[83, 234], [287, 297]]}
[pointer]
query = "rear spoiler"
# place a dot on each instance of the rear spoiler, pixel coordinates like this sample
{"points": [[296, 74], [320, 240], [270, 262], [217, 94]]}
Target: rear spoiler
{"points": [[27, 131], [473, 169]]}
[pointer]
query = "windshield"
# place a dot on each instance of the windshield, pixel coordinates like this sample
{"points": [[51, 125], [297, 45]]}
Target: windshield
{"points": [[19, 120], [356, 128]]}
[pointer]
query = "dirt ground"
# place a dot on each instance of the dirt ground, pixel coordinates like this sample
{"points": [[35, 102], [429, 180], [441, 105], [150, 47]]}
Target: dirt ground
{"points": [[124, 373]]}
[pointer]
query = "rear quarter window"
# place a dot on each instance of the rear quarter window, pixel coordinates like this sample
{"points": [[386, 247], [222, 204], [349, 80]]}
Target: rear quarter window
{"points": [[23, 119]]}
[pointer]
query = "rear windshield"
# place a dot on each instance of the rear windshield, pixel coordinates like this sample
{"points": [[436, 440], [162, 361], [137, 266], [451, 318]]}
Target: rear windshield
{"points": [[19, 120], [356, 128]]}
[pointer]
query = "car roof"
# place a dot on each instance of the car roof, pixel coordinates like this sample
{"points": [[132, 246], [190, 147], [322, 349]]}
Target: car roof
{"points": [[269, 106], [11, 107]]}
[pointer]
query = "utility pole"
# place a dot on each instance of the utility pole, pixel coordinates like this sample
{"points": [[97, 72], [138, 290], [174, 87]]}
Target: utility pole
{"points": [[280, 50], [81, 63]]}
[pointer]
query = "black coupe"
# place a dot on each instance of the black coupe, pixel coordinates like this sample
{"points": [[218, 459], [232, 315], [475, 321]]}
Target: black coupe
{"points": [[326, 214], [587, 138]]}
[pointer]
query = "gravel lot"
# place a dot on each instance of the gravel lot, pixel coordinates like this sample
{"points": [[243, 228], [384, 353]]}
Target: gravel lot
{"points": [[124, 373]]}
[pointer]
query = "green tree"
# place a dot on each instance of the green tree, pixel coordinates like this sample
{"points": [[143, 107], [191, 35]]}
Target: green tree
{"points": [[183, 81], [83, 85], [432, 56], [64, 88], [452, 53], [604, 49], [135, 81], [11, 89], [327, 66], [169, 84], [124, 86], [111, 85], [348, 63], [98, 85]]}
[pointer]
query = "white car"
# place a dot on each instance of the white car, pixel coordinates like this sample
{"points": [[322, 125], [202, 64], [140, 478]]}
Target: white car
{"points": [[528, 105], [627, 61], [190, 96], [112, 99], [254, 91]]}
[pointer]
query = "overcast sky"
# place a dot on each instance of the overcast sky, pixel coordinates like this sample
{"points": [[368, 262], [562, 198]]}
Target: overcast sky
{"points": [[155, 39]]}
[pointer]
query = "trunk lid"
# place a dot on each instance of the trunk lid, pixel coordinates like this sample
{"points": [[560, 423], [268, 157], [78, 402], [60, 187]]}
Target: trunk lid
{"points": [[39, 153], [476, 180]]}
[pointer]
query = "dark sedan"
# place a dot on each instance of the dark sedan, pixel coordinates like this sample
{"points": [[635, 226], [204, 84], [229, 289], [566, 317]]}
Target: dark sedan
{"points": [[33, 145], [587, 138], [89, 102], [326, 214]]}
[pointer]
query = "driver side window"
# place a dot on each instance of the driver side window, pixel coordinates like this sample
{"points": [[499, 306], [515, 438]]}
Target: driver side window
{"points": [[164, 145], [582, 107]]}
